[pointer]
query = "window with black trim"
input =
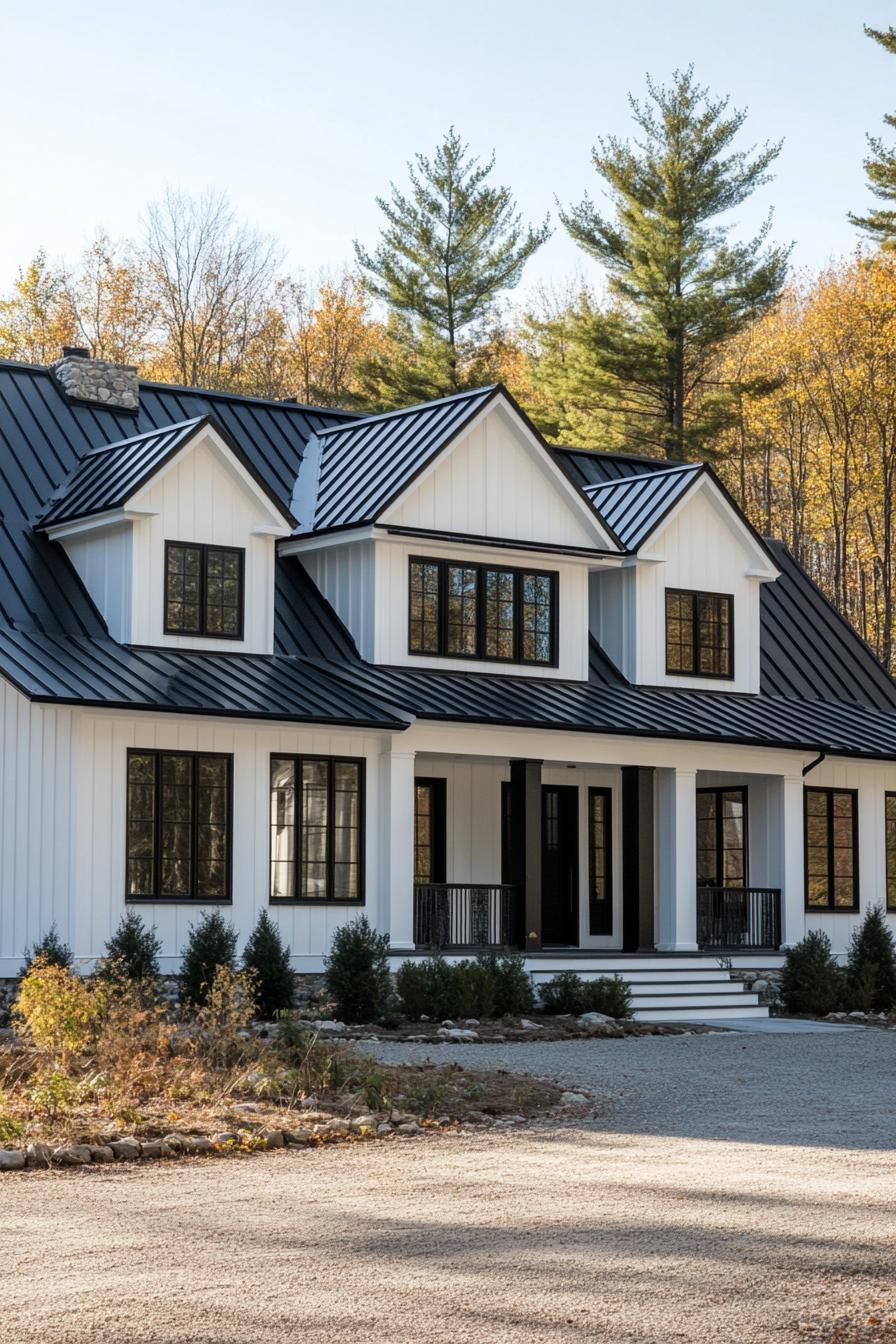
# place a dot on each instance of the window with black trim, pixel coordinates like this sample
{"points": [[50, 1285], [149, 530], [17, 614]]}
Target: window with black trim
{"points": [[722, 837], [699, 634], [430, 839], [204, 590], [178, 826], [832, 849], [600, 862], [489, 612], [890, 826], [317, 829]]}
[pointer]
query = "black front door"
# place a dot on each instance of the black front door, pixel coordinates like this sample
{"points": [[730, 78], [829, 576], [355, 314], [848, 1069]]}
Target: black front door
{"points": [[560, 865]]}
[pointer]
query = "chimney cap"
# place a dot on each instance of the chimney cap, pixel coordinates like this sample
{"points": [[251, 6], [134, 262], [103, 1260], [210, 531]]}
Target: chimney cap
{"points": [[79, 350]]}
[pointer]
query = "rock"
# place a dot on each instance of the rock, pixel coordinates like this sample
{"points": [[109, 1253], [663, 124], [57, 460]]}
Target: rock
{"points": [[759, 986], [272, 1138], [126, 1149], [573, 1099], [457, 1034], [72, 1155], [364, 1122], [527, 1025], [410, 1127], [471, 1021], [449, 1023], [101, 1153], [858, 1015], [386, 1128], [328, 1025], [595, 1019], [297, 1138], [41, 1154], [156, 1148], [835, 1017], [443, 1120], [249, 1106], [12, 1159], [515, 1119], [254, 1078], [200, 1144], [227, 1138], [309, 1103]]}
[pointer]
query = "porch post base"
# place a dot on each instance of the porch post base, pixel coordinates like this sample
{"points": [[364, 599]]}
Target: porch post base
{"points": [[401, 947], [677, 947]]}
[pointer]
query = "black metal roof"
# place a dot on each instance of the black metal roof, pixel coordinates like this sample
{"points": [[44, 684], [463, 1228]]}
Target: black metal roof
{"points": [[366, 465], [106, 478], [634, 506], [822, 688]]}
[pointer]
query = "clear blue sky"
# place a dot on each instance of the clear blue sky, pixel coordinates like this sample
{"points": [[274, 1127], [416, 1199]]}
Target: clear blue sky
{"points": [[303, 111]]}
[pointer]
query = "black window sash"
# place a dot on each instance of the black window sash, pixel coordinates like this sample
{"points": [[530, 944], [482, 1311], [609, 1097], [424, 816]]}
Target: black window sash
{"points": [[204, 549], [297, 898], [158, 818], [719, 794], [695, 597], [600, 909], [890, 849], [479, 654], [436, 789], [830, 795]]}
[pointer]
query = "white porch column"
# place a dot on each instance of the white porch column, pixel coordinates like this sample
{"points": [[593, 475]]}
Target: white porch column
{"points": [[397, 845], [676, 860], [786, 818]]}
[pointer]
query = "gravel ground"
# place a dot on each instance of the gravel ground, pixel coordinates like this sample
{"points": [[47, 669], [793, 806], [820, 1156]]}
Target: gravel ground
{"points": [[732, 1188]]}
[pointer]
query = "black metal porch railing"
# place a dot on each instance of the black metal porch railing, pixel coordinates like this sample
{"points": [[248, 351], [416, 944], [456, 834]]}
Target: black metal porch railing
{"points": [[738, 917], [470, 915]]}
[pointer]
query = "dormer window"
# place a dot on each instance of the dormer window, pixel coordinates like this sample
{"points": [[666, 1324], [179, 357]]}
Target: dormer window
{"points": [[204, 590], [699, 634], [484, 612]]}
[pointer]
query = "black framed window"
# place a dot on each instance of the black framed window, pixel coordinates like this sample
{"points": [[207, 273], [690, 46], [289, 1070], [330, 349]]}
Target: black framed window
{"points": [[832, 849], [600, 862], [317, 829], [722, 837], [204, 590], [890, 825], [482, 611], [179, 826], [430, 827], [699, 634]]}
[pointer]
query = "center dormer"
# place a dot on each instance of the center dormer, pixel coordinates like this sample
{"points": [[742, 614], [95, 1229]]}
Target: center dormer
{"points": [[174, 536], [448, 536]]}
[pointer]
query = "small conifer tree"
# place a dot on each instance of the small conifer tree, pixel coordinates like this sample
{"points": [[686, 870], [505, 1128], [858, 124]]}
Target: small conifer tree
{"points": [[265, 957], [50, 950], [358, 976], [211, 943], [811, 981], [871, 964], [132, 953]]}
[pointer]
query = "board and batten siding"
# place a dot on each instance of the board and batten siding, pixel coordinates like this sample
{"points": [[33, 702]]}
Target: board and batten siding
{"points": [[201, 499], [344, 573], [494, 482], [37, 824], [699, 548], [104, 561], [103, 741]]}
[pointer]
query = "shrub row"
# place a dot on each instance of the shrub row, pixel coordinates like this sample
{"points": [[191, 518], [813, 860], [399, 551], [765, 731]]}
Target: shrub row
{"points": [[813, 982], [494, 985], [569, 993]]}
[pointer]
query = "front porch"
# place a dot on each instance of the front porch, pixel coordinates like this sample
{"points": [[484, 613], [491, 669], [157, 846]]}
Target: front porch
{"points": [[572, 857]]}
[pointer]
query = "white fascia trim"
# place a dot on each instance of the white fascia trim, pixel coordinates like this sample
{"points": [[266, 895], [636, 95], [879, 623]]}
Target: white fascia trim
{"points": [[98, 522], [499, 546], [316, 541], [576, 499]]}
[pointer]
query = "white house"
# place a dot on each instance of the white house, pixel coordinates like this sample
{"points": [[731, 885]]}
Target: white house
{"points": [[492, 693]]}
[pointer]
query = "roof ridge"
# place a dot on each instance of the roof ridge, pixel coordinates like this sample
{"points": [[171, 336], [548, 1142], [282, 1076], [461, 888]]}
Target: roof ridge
{"points": [[645, 476], [147, 434], [409, 410]]}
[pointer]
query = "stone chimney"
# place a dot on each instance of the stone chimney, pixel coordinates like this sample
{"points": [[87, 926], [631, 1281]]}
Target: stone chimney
{"points": [[96, 380]]}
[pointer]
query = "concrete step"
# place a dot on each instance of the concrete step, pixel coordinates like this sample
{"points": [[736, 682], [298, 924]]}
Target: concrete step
{"points": [[708, 1015], [682, 998], [663, 976]]}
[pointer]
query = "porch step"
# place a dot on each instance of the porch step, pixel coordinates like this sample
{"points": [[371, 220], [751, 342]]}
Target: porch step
{"points": [[663, 990], [707, 1016], [681, 998]]}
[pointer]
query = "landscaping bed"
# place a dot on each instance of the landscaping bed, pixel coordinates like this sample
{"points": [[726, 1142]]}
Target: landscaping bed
{"points": [[499, 1031]]}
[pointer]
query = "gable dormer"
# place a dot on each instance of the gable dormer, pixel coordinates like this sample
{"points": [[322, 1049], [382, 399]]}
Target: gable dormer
{"points": [[683, 610], [447, 536], [173, 534]]}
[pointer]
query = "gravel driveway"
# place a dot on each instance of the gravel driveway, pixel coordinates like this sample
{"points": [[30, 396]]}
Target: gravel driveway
{"points": [[732, 1188]]}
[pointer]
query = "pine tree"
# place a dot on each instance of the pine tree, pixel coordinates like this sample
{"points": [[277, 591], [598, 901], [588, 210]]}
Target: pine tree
{"points": [[871, 964], [265, 957], [448, 250], [132, 953], [880, 169], [680, 285]]}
